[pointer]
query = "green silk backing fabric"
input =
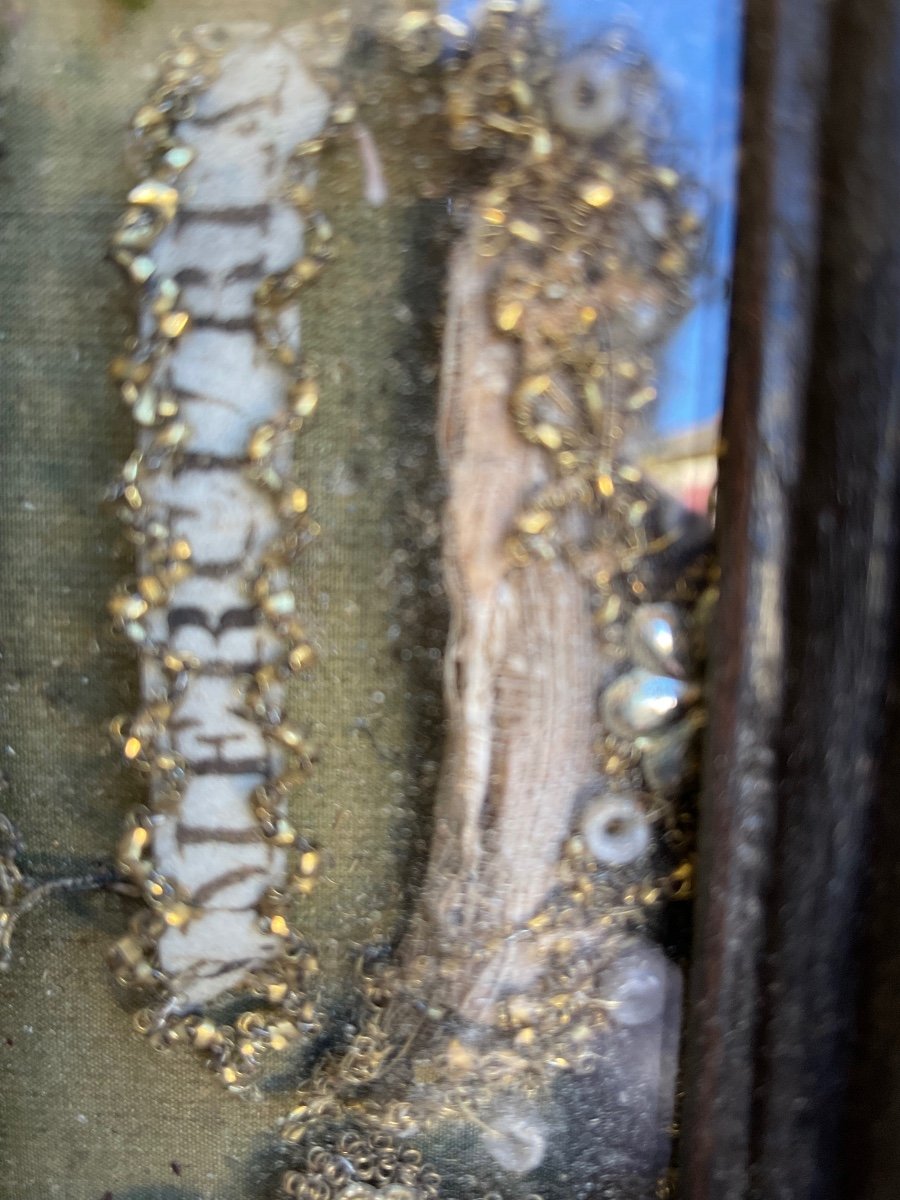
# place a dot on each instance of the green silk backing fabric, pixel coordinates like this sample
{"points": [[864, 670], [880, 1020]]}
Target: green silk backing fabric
{"points": [[88, 1109]]}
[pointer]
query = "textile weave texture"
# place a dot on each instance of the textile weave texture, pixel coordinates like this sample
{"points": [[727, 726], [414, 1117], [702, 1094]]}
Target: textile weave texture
{"points": [[89, 1111]]}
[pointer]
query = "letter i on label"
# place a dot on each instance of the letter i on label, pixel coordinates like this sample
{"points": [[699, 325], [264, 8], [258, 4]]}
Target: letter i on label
{"points": [[219, 237]]}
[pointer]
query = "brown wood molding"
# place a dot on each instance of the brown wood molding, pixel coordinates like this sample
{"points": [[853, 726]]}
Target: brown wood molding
{"points": [[808, 540]]}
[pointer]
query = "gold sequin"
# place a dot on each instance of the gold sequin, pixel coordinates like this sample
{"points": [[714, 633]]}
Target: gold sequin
{"points": [[174, 324], [597, 194], [152, 193]]}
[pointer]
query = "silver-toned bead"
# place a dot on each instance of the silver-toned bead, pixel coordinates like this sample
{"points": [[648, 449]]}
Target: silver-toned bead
{"points": [[616, 829], [657, 640], [641, 703], [665, 759]]}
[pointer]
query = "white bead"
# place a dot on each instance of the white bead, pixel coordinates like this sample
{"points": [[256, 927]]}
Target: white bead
{"points": [[587, 95], [517, 1142], [616, 829], [635, 986]]}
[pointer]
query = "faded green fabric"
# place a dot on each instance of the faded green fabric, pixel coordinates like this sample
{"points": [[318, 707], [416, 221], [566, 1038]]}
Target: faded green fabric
{"points": [[89, 1110]]}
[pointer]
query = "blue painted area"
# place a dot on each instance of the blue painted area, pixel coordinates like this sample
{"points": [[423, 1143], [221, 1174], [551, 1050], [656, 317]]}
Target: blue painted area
{"points": [[696, 49]]}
